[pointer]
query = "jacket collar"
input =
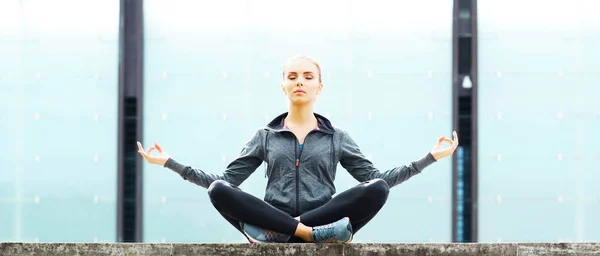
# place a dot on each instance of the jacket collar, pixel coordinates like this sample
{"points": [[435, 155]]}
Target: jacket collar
{"points": [[323, 124]]}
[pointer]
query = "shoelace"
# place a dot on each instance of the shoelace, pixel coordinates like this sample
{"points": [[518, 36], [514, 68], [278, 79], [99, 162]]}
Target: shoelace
{"points": [[325, 233]]}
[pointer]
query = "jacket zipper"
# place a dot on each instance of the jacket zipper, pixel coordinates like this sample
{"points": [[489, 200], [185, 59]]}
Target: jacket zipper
{"points": [[298, 156], [297, 177]]}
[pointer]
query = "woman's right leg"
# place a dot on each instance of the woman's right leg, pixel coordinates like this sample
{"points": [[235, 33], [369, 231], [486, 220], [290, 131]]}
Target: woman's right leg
{"points": [[231, 201]]}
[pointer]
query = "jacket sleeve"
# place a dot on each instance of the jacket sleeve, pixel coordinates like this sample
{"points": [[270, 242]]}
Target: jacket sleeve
{"points": [[363, 170], [249, 159]]}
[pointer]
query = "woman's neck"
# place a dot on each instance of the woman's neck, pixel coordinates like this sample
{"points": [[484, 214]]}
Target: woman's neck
{"points": [[300, 115]]}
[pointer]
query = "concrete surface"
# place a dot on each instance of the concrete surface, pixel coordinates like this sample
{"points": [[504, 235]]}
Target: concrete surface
{"points": [[355, 249]]}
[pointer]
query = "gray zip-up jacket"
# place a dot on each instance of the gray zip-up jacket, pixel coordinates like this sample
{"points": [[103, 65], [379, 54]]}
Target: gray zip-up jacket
{"points": [[300, 180]]}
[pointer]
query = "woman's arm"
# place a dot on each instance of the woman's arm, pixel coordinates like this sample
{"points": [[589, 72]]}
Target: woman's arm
{"points": [[250, 158], [362, 169]]}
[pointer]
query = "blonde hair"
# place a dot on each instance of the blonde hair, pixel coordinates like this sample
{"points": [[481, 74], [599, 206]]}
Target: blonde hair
{"points": [[314, 62]]}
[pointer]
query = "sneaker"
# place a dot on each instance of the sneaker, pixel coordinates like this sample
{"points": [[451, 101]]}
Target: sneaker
{"points": [[258, 235], [336, 232]]}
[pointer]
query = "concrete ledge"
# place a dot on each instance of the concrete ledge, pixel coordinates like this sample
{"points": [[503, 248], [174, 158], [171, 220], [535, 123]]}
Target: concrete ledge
{"points": [[176, 249]]}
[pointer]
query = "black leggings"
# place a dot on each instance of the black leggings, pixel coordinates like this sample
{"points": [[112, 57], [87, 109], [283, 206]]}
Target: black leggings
{"points": [[360, 203]]}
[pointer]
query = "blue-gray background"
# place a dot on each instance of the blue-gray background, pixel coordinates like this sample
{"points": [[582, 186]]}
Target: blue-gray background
{"points": [[212, 73]]}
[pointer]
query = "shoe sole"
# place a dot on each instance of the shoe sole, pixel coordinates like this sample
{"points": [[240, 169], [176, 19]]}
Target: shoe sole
{"points": [[252, 240]]}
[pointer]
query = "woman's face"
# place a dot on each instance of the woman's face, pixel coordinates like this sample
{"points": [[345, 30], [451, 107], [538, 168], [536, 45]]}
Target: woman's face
{"points": [[301, 81]]}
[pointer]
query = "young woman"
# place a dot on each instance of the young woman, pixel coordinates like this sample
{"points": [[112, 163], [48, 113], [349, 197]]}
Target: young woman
{"points": [[302, 150]]}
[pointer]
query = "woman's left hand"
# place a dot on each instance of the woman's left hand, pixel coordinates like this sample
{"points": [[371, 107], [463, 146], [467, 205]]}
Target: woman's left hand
{"points": [[440, 152]]}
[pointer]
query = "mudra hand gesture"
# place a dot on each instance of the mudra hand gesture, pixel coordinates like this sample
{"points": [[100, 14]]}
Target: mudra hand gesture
{"points": [[439, 151], [159, 159]]}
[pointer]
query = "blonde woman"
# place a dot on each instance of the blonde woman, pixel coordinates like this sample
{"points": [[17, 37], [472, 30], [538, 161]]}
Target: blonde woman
{"points": [[302, 150]]}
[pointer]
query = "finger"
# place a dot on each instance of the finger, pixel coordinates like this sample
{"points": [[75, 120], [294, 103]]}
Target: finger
{"points": [[455, 144], [143, 154], [149, 151], [160, 150], [140, 146], [439, 141], [455, 136]]}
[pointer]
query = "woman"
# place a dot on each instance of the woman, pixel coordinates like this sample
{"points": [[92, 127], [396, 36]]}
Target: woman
{"points": [[302, 150]]}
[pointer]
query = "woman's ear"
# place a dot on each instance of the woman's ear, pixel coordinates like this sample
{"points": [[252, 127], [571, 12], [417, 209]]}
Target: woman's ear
{"points": [[283, 89]]}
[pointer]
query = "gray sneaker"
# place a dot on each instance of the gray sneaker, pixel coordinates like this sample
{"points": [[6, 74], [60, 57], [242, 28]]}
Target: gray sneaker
{"points": [[336, 232], [258, 235]]}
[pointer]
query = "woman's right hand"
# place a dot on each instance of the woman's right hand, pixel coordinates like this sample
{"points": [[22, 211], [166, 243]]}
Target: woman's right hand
{"points": [[160, 159]]}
